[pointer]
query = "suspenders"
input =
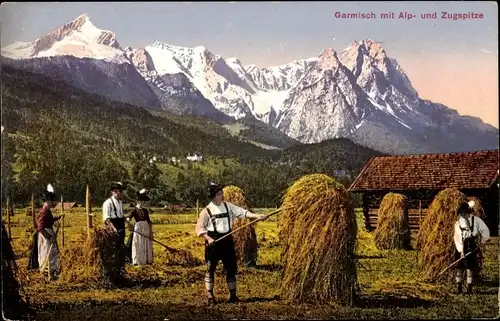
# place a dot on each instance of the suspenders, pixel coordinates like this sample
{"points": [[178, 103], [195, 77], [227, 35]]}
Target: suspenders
{"points": [[221, 215], [114, 208]]}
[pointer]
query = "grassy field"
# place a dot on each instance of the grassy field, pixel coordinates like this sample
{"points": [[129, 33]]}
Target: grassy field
{"points": [[389, 286]]}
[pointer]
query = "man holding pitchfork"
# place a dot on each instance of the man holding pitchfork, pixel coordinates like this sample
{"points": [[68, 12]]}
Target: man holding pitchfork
{"points": [[215, 222]]}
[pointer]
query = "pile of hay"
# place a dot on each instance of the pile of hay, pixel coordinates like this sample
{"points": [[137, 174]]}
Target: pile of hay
{"points": [[245, 240], [435, 237], [179, 257], [393, 226], [317, 227], [93, 259]]}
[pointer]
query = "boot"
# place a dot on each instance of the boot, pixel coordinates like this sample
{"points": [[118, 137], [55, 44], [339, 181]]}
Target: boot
{"points": [[469, 288], [233, 298], [459, 288]]}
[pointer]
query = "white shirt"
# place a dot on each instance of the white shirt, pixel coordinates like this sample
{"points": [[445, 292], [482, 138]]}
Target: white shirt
{"points": [[205, 224], [462, 231], [108, 211]]}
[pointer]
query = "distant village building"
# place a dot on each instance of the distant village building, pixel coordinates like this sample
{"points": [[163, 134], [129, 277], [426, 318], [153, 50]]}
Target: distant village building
{"points": [[175, 160], [67, 205], [195, 158], [341, 173]]}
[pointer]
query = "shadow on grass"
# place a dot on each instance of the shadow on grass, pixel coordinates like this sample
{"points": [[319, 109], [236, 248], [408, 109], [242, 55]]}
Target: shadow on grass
{"points": [[251, 300], [370, 257], [390, 302], [269, 267]]}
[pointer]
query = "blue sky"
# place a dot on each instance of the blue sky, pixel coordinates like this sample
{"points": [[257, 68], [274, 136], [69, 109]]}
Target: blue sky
{"points": [[271, 33]]}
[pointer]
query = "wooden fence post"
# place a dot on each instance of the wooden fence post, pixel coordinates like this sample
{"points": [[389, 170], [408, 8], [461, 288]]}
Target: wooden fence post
{"points": [[33, 211], [419, 214], [87, 209], [62, 221]]}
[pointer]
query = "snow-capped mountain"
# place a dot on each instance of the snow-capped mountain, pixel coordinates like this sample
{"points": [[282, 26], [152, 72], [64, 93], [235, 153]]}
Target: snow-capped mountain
{"points": [[360, 93], [364, 95]]}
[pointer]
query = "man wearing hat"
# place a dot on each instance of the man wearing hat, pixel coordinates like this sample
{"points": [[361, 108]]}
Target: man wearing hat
{"points": [[214, 222], [48, 249], [469, 231], [112, 211], [142, 235]]}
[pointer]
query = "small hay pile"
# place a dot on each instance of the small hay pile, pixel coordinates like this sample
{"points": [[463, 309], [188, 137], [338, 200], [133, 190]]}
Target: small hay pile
{"points": [[435, 237], [93, 260], [245, 240], [407, 289], [318, 229], [179, 257], [393, 226]]}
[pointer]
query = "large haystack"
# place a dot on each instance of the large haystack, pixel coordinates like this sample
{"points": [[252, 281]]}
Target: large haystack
{"points": [[245, 240], [318, 229], [393, 226], [435, 238]]}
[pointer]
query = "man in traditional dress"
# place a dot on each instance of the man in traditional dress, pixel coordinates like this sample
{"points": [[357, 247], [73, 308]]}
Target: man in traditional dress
{"points": [[214, 222], [470, 231], [142, 235], [112, 211], [48, 250]]}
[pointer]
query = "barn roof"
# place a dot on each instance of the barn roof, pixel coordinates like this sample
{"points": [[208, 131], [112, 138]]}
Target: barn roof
{"points": [[66, 205], [467, 170]]}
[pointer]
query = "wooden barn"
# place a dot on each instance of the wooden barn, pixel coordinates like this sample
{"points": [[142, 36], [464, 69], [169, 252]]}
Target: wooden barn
{"points": [[421, 177], [67, 205]]}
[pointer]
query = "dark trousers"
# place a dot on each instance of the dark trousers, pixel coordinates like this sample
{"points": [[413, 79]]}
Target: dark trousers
{"points": [[221, 251], [471, 261], [119, 224]]}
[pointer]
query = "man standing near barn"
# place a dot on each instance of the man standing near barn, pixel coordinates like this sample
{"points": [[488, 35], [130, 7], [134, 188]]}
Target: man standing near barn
{"points": [[470, 230], [214, 222]]}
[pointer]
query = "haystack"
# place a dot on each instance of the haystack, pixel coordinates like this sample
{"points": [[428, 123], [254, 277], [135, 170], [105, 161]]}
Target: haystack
{"points": [[435, 238], [393, 226], [93, 259], [245, 240], [317, 227]]}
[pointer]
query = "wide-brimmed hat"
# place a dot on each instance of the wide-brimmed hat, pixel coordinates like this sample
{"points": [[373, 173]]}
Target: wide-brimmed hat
{"points": [[464, 208], [213, 189], [116, 185], [48, 194], [142, 195]]}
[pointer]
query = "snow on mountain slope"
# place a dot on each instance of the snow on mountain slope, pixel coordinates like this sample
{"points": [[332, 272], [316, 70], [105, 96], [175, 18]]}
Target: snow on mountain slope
{"points": [[223, 82], [78, 38], [279, 78]]}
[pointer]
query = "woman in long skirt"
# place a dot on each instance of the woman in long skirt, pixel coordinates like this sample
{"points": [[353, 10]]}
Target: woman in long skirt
{"points": [[48, 249], [142, 243]]}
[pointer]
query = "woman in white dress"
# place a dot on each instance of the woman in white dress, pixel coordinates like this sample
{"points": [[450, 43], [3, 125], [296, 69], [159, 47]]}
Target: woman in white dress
{"points": [[48, 249], [142, 239]]}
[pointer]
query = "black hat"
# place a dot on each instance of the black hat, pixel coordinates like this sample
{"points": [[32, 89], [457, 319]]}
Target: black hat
{"points": [[116, 185], [48, 195], [213, 189], [142, 196], [464, 208]]}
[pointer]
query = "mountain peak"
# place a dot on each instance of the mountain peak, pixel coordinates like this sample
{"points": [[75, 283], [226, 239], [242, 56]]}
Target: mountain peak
{"points": [[329, 58]]}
